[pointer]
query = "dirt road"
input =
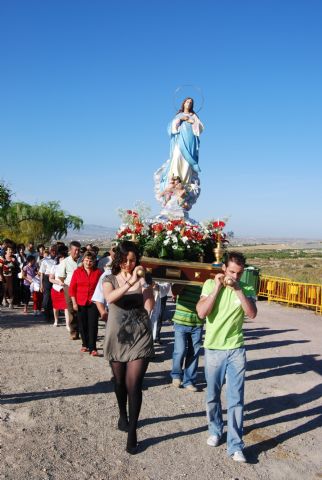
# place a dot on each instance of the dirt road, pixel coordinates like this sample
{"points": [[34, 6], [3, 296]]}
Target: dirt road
{"points": [[58, 414]]}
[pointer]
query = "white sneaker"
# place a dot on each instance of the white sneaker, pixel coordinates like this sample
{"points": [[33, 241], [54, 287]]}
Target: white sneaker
{"points": [[213, 441], [55, 325], [191, 388], [239, 457], [176, 382]]}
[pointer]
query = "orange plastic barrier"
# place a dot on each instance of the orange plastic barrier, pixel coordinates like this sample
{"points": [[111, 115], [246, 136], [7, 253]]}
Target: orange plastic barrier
{"points": [[293, 293]]}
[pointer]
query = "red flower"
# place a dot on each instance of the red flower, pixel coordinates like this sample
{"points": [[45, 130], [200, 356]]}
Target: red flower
{"points": [[158, 227], [218, 224]]}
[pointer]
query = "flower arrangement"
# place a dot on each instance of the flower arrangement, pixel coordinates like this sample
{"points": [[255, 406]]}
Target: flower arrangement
{"points": [[214, 229], [134, 224], [175, 239]]}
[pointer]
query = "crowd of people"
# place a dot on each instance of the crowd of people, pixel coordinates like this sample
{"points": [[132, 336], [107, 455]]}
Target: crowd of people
{"points": [[87, 287], [44, 276]]}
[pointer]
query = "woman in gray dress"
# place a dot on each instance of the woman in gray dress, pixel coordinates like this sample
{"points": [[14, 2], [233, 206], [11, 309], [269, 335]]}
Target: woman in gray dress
{"points": [[128, 341]]}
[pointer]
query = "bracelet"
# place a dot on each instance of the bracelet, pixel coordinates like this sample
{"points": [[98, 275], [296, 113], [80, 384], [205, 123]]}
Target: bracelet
{"points": [[130, 284]]}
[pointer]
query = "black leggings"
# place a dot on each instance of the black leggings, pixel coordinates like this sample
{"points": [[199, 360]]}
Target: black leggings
{"points": [[88, 325], [26, 294], [128, 379]]}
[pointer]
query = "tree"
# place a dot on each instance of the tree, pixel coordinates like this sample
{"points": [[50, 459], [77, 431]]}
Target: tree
{"points": [[40, 223], [5, 196]]}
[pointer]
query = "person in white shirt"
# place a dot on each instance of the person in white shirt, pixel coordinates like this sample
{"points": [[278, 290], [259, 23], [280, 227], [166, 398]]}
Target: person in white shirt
{"points": [[98, 296], [106, 259], [45, 285], [57, 292], [65, 273], [160, 291]]}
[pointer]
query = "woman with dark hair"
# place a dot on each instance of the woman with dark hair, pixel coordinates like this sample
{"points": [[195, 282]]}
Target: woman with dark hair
{"points": [[22, 262], [57, 292], [81, 290], [8, 268], [29, 271], [128, 341]]}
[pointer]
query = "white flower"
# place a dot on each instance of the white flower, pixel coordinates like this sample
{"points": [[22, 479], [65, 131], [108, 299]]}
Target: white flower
{"points": [[174, 247], [166, 241], [174, 239], [185, 239], [194, 187]]}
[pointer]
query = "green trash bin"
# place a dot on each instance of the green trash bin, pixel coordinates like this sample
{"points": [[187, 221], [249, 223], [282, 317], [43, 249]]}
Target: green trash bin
{"points": [[250, 276]]}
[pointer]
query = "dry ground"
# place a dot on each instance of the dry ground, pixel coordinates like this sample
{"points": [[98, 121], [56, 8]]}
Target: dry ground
{"points": [[58, 413]]}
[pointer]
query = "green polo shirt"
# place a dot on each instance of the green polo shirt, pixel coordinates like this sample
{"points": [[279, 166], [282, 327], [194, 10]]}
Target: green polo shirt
{"points": [[185, 313], [224, 324]]}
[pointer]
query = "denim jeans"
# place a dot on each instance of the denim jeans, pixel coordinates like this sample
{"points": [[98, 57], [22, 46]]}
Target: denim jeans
{"points": [[187, 344], [229, 365]]}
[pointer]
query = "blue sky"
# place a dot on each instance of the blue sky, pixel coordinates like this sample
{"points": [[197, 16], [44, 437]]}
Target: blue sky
{"points": [[86, 92]]}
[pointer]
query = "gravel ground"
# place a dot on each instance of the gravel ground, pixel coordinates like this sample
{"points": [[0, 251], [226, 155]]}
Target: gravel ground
{"points": [[58, 411]]}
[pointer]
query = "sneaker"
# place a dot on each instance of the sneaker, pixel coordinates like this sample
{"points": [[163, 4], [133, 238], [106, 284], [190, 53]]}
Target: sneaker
{"points": [[191, 388], [94, 353], [84, 349], [55, 324], [239, 457], [176, 382], [213, 441]]}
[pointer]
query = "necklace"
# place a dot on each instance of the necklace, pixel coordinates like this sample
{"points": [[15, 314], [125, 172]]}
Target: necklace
{"points": [[124, 278]]}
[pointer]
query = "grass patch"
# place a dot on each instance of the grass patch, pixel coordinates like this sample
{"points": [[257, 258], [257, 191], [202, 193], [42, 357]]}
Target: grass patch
{"points": [[297, 265]]}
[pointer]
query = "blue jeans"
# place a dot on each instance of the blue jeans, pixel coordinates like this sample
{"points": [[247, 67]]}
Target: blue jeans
{"points": [[187, 344], [229, 365]]}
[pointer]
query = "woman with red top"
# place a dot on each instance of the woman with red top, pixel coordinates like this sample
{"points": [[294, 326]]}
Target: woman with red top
{"points": [[81, 290]]}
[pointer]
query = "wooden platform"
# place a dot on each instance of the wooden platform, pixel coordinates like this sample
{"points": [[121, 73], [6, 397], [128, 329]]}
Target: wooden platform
{"points": [[179, 272]]}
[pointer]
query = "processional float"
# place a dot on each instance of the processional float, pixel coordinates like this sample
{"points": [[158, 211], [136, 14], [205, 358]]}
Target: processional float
{"points": [[175, 247]]}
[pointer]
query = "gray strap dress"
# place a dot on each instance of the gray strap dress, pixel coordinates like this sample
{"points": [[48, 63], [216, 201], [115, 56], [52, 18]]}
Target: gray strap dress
{"points": [[128, 333]]}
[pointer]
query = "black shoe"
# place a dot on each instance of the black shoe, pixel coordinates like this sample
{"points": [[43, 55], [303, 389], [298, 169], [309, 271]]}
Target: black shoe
{"points": [[123, 424], [132, 450]]}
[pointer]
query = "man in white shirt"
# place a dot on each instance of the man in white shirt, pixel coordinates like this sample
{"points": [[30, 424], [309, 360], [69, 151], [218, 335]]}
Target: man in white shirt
{"points": [[65, 273], [98, 296]]}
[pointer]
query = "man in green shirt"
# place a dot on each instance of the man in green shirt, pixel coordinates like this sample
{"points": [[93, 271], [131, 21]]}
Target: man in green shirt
{"points": [[224, 303]]}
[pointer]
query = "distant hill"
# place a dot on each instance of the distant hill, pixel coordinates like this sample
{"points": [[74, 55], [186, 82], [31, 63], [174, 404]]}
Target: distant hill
{"points": [[278, 242], [100, 234], [92, 233]]}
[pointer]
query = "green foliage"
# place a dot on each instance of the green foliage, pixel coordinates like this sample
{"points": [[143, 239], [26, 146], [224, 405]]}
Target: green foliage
{"points": [[40, 223], [153, 247], [5, 196], [282, 254]]}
